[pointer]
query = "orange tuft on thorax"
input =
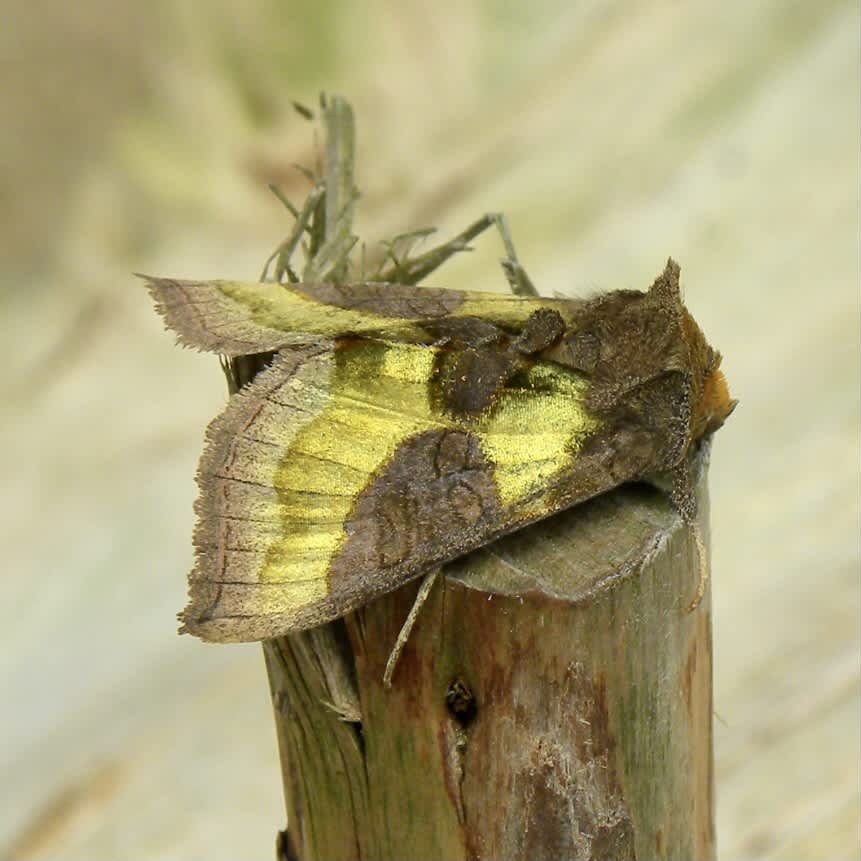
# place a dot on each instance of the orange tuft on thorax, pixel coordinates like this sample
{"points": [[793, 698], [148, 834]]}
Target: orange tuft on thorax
{"points": [[714, 405]]}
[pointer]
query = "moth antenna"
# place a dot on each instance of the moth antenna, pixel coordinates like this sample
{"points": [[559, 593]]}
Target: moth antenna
{"points": [[703, 558], [409, 624]]}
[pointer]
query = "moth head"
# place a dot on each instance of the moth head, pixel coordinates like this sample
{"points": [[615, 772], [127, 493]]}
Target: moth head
{"points": [[714, 404], [710, 401]]}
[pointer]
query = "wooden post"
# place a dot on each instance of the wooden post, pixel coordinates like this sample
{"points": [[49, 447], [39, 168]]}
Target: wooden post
{"points": [[554, 701]]}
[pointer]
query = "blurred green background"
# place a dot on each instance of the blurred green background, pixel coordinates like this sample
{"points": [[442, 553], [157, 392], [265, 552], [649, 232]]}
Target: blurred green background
{"points": [[141, 137]]}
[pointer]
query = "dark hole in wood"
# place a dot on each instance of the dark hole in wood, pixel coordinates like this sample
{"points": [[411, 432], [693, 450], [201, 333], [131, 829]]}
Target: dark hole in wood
{"points": [[284, 849], [460, 702]]}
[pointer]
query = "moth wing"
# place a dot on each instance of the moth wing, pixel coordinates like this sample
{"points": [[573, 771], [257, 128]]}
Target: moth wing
{"points": [[334, 477], [238, 318]]}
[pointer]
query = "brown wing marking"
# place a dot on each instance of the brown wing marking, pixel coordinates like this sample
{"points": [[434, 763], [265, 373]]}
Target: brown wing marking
{"points": [[393, 301], [435, 495]]}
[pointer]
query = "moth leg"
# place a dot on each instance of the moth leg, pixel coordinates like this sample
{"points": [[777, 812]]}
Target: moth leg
{"points": [[406, 629]]}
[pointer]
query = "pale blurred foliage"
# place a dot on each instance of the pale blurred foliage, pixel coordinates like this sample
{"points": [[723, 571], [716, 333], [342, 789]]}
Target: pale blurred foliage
{"points": [[141, 137], [134, 120]]}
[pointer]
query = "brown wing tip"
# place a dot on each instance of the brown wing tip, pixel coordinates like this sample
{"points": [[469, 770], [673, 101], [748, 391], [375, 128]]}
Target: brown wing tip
{"points": [[230, 629], [173, 306], [202, 624], [203, 631], [183, 628], [190, 309]]}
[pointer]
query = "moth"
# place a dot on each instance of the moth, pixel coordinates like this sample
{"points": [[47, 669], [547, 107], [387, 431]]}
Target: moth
{"points": [[398, 427]]}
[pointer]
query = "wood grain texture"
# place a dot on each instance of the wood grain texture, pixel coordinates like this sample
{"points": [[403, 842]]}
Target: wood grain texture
{"points": [[585, 693], [612, 134]]}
